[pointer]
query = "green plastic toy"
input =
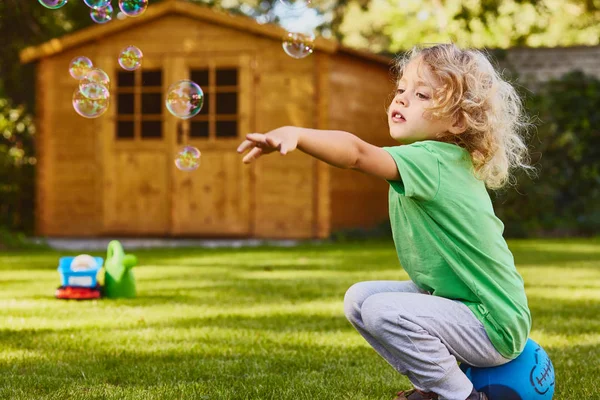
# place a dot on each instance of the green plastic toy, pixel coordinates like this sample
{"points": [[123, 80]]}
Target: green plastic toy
{"points": [[118, 274]]}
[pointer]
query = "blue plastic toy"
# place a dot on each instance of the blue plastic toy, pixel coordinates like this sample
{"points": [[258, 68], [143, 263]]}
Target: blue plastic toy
{"points": [[530, 376], [78, 277]]}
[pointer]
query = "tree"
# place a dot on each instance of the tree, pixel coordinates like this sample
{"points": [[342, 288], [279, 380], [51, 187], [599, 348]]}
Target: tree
{"points": [[26, 23], [388, 25]]}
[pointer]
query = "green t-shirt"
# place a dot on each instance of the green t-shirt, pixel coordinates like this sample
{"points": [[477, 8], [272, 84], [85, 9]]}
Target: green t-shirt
{"points": [[450, 241]]}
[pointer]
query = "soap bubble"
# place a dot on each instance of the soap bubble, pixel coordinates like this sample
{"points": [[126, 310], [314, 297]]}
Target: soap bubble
{"points": [[79, 66], [188, 158], [130, 58], [95, 84], [96, 3], [133, 8], [101, 15], [298, 45], [53, 4], [95, 91], [89, 108], [184, 99]]}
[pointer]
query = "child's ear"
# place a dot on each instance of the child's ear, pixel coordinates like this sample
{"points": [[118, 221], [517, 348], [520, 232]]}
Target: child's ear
{"points": [[459, 125]]}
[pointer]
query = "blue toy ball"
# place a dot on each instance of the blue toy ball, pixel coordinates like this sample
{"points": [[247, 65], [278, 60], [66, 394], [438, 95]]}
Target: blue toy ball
{"points": [[530, 376]]}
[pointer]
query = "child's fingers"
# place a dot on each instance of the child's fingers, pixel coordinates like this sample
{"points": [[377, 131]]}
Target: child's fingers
{"points": [[283, 149], [246, 144], [257, 137], [252, 155], [273, 142]]}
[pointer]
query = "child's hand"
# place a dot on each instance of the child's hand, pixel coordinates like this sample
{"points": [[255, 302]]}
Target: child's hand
{"points": [[282, 139]]}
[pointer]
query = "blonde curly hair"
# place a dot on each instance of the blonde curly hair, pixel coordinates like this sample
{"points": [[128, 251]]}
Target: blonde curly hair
{"points": [[476, 96]]}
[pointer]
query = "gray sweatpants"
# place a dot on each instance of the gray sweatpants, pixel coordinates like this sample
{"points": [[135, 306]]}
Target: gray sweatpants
{"points": [[420, 335]]}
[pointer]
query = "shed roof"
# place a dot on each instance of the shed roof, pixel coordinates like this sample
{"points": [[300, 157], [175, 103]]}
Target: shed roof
{"points": [[187, 9]]}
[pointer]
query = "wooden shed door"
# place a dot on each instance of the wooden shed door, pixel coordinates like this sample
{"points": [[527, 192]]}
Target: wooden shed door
{"points": [[136, 159], [215, 198]]}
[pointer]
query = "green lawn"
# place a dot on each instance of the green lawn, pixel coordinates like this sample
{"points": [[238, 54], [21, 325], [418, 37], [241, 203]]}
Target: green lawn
{"points": [[263, 323]]}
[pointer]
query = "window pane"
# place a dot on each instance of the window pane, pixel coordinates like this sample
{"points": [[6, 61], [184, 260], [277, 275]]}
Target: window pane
{"points": [[125, 130], [125, 79], [226, 128], [125, 103], [200, 76], [151, 103], [227, 77], [151, 129], [226, 103], [151, 78], [199, 129]]}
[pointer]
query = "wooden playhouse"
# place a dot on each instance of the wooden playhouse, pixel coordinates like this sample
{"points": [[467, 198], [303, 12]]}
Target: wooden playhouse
{"points": [[115, 175]]}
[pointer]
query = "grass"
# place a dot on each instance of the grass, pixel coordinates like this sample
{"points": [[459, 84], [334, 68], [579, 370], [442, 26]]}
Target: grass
{"points": [[262, 323]]}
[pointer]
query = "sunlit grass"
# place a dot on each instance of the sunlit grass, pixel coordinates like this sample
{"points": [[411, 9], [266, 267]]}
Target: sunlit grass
{"points": [[262, 323]]}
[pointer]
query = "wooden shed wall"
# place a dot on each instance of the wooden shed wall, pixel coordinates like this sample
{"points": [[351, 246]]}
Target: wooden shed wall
{"points": [[360, 93], [68, 178], [191, 204], [283, 200], [285, 188]]}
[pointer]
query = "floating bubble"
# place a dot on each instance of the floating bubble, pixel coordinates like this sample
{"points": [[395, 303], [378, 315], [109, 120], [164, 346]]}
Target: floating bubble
{"points": [[95, 91], [94, 84], [130, 58], [101, 15], [298, 45], [89, 108], [133, 8], [53, 4], [184, 99], [79, 66], [188, 158], [96, 3]]}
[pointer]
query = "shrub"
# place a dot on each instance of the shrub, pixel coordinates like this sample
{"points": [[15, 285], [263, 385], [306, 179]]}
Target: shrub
{"points": [[565, 198], [17, 161]]}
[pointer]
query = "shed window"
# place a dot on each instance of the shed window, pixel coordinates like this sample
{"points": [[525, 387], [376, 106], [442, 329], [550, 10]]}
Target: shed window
{"points": [[139, 105], [219, 115]]}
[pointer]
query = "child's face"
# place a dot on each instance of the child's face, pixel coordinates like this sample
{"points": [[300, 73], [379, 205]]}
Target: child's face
{"points": [[406, 117]]}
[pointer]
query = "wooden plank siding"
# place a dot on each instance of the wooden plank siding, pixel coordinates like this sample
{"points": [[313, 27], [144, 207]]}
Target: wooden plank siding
{"points": [[360, 93], [68, 174], [284, 186], [89, 183]]}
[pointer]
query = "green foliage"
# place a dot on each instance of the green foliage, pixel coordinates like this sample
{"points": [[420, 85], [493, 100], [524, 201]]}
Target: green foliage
{"points": [[565, 199], [19, 241], [27, 23], [17, 162], [387, 25]]}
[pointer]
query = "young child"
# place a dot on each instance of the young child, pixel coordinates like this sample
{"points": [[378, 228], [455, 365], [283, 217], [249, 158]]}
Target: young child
{"points": [[458, 123]]}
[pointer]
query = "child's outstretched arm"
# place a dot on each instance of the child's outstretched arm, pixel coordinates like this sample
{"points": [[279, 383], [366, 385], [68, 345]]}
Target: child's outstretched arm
{"points": [[338, 148]]}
